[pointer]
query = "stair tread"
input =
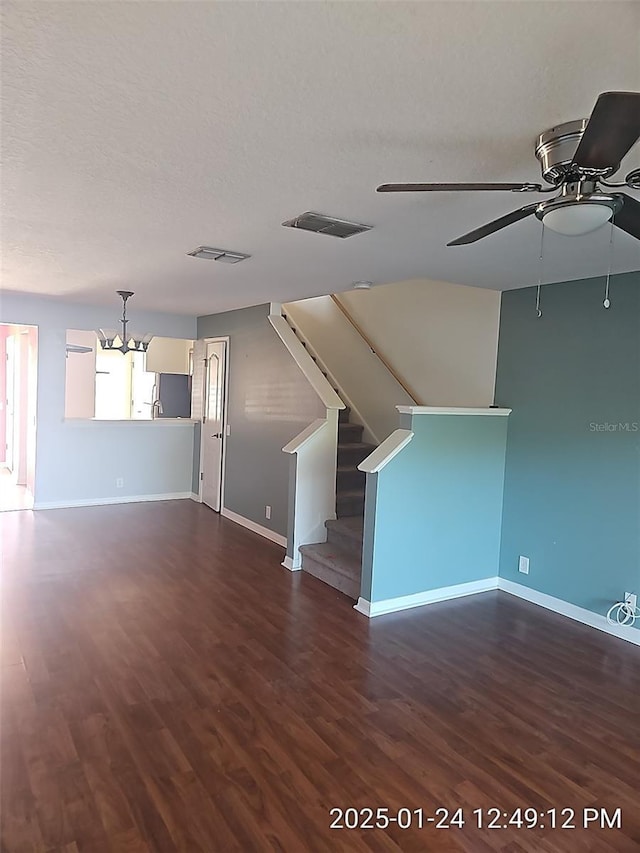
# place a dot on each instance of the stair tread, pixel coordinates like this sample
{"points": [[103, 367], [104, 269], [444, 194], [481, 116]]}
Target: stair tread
{"points": [[335, 557], [356, 445], [348, 494], [351, 526]]}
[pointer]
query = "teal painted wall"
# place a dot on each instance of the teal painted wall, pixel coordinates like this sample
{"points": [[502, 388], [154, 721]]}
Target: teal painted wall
{"points": [[572, 482], [438, 507]]}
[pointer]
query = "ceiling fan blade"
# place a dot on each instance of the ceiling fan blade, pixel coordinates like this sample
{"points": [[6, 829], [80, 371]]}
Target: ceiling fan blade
{"points": [[449, 188], [628, 219], [613, 128], [496, 225]]}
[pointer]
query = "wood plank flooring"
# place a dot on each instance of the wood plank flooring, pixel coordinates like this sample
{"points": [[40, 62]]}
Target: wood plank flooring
{"points": [[168, 686]]}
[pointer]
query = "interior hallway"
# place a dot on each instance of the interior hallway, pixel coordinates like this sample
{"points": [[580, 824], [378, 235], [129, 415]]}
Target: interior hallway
{"points": [[166, 686]]}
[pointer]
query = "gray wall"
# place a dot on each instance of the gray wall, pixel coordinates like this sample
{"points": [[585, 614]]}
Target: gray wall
{"points": [[270, 402], [81, 463], [572, 483]]}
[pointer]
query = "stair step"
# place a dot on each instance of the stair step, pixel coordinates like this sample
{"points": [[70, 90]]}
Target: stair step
{"points": [[349, 478], [343, 415], [350, 503], [333, 565], [349, 433], [346, 532], [352, 453]]}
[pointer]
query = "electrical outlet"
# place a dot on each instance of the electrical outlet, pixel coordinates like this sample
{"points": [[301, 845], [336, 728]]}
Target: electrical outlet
{"points": [[119, 483], [267, 511], [523, 565], [631, 599]]}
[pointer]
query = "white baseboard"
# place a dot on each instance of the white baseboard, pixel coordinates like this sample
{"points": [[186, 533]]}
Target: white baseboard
{"points": [[125, 499], [572, 611], [195, 497], [288, 564], [557, 605], [431, 596], [255, 528]]}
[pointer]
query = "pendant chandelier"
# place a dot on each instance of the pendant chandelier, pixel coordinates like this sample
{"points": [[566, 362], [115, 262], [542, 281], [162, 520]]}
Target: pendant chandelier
{"points": [[122, 340]]}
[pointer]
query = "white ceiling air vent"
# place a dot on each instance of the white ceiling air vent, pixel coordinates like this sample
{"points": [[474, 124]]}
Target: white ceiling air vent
{"points": [[222, 255], [326, 225]]}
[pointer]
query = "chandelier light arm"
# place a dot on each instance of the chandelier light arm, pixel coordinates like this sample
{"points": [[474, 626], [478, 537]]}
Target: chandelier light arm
{"points": [[140, 344]]}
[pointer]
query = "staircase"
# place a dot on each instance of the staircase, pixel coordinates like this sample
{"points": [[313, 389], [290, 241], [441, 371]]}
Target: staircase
{"points": [[338, 561]]}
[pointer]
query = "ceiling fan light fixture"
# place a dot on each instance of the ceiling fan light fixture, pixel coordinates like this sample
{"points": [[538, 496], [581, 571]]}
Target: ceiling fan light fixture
{"points": [[580, 209], [575, 219], [575, 158]]}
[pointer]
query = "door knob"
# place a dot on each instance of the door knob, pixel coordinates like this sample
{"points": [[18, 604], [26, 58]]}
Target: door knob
{"points": [[217, 435]]}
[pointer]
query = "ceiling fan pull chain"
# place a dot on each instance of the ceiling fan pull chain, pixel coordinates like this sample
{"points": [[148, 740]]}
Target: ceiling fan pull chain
{"points": [[607, 301], [540, 260]]}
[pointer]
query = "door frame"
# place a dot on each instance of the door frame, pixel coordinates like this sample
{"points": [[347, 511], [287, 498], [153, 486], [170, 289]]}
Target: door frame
{"points": [[12, 354], [25, 343], [225, 409]]}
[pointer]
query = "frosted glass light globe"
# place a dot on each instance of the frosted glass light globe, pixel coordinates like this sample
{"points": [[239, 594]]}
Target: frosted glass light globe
{"points": [[574, 219]]}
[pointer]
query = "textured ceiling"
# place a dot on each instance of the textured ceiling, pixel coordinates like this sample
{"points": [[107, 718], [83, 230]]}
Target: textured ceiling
{"points": [[133, 132]]}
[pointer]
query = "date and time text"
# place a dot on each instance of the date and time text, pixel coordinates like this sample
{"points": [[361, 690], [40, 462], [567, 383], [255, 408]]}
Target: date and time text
{"points": [[484, 818]]}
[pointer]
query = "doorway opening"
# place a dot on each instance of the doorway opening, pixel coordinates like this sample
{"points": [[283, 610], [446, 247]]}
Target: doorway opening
{"points": [[18, 390], [214, 428]]}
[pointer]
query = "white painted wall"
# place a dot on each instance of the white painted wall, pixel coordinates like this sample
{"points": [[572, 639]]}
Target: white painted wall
{"points": [[441, 338], [366, 384], [80, 384], [75, 463], [312, 485]]}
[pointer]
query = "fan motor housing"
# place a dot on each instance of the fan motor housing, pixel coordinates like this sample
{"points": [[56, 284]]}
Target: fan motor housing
{"points": [[555, 149]]}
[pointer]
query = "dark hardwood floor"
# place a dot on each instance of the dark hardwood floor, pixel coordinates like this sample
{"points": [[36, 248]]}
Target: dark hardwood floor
{"points": [[167, 685]]}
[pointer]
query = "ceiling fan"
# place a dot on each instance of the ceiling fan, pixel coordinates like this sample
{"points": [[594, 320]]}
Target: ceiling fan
{"points": [[576, 158]]}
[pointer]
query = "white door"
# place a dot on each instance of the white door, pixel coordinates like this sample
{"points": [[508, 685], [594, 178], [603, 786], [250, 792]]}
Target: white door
{"points": [[213, 424]]}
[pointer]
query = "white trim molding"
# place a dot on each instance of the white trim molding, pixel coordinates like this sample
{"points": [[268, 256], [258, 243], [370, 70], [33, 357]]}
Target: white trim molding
{"points": [[451, 410], [572, 611], [125, 499], [446, 593], [289, 564], [430, 596], [254, 527], [384, 453], [307, 365], [195, 497], [305, 436], [356, 415]]}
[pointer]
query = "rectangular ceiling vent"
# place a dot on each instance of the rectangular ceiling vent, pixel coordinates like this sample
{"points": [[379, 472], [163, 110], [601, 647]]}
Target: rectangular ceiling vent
{"points": [[224, 256], [326, 225]]}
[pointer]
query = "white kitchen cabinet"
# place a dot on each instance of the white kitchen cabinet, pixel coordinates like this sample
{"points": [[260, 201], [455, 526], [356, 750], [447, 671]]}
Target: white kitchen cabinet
{"points": [[168, 355]]}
